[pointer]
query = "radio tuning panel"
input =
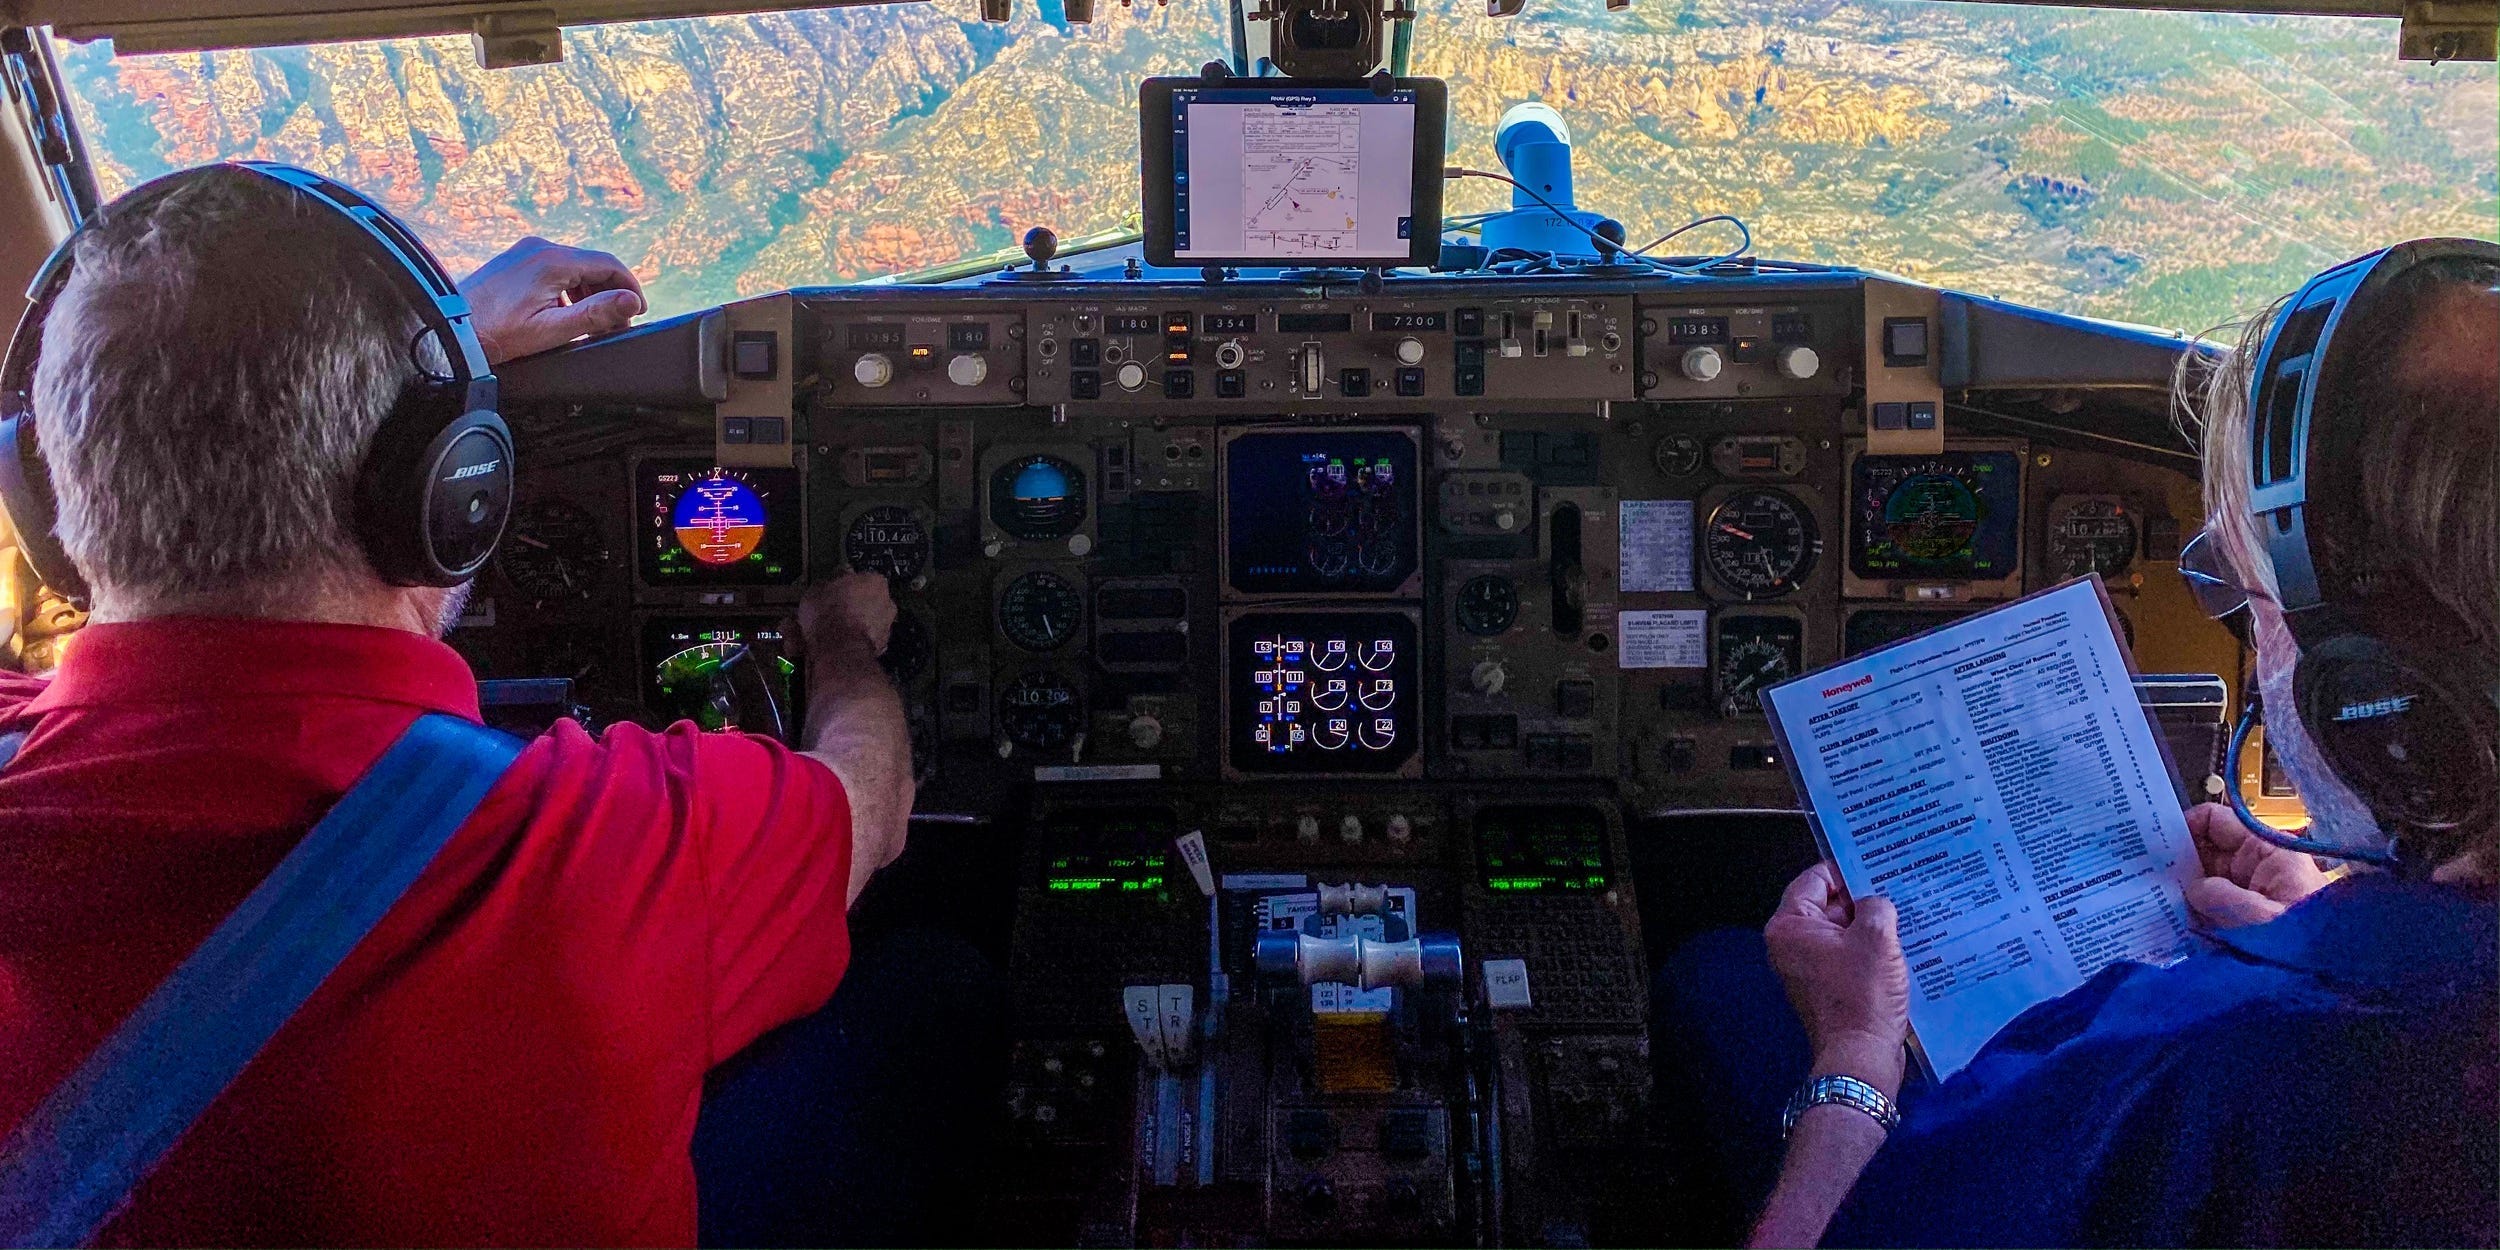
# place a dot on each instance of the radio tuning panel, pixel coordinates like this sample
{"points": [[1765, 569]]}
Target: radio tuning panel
{"points": [[1320, 354]]}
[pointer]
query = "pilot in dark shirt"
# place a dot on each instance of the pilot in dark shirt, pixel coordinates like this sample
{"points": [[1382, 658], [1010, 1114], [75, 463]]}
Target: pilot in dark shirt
{"points": [[2325, 1072]]}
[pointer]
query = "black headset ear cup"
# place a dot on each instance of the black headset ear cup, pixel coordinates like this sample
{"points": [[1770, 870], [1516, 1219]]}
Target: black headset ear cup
{"points": [[436, 488], [26, 494], [2419, 751]]}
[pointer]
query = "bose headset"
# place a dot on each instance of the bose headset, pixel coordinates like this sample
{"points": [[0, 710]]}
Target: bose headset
{"points": [[2399, 695], [434, 489]]}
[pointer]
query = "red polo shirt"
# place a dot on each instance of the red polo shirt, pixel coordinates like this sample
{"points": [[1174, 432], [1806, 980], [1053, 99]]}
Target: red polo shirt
{"points": [[515, 1055]]}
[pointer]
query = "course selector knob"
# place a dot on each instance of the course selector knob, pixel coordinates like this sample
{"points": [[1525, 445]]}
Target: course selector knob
{"points": [[1797, 363], [1701, 364], [873, 370], [967, 369]]}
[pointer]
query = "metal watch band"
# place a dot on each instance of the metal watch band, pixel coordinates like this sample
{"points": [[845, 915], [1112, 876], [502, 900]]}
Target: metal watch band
{"points": [[1848, 1091]]}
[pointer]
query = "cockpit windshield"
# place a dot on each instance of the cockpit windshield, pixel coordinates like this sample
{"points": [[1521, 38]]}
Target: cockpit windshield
{"points": [[2166, 168]]}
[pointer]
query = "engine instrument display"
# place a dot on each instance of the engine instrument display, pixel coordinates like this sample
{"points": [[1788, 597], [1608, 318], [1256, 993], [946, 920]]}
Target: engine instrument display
{"points": [[553, 553], [1040, 710], [1760, 543], [1040, 610], [1322, 692], [731, 673], [1539, 850], [1750, 653], [1320, 512], [1038, 497], [1955, 516], [2091, 534], [887, 539], [710, 526]]}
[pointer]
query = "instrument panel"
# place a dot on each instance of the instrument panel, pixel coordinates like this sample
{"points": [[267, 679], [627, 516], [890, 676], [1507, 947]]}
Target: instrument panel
{"points": [[1163, 533], [1439, 594]]}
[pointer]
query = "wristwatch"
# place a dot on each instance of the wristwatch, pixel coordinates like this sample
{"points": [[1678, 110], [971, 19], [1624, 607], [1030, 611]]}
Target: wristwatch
{"points": [[1848, 1091]]}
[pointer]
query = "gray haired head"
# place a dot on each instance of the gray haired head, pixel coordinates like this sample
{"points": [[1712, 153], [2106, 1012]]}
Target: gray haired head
{"points": [[211, 377]]}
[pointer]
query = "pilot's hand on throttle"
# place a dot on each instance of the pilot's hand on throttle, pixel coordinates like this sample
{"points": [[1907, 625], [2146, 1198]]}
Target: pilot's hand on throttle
{"points": [[539, 295], [2247, 880], [1842, 965], [854, 610]]}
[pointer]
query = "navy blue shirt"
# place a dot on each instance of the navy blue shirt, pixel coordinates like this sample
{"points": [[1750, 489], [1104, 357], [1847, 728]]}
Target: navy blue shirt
{"points": [[2330, 1078]]}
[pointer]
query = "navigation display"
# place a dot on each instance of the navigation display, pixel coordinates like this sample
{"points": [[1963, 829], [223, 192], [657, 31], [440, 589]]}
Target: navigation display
{"points": [[1284, 174], [1320, 512], [1955, 516], [1322, 692], [722, 673], [709, 526]]}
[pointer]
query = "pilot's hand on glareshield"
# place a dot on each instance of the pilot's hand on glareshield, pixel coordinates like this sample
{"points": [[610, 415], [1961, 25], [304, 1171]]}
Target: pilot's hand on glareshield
{"points": [[1842, 965], [2247, 880], [539, 295], [851, 613]]}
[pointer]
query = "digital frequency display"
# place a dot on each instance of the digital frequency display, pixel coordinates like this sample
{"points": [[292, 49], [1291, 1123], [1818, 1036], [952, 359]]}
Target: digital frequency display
{"points": [[1537, 850], [1311, 512], [723, 674], [706, 525], [1322, 692], [1955, 516]]}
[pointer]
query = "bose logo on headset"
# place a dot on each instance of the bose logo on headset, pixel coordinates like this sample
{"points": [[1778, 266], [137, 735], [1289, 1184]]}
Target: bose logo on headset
{"points": [[2391, 706], [474, 470]]}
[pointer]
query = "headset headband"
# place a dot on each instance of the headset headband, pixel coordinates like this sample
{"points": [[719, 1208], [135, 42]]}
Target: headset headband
{"points": [[409, 266], [2285, 438]]}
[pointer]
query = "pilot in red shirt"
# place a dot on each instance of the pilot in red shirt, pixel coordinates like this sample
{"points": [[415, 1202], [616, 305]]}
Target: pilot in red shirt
{"points": [[517, 1053]]}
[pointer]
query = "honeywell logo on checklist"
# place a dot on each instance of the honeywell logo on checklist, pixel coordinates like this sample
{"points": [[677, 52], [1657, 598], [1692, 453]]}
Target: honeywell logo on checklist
{"points": [[1847, 686]]}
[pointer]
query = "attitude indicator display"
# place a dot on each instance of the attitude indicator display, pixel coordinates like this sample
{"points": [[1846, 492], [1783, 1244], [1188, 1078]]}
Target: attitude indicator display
{"points": [[707, 525]]}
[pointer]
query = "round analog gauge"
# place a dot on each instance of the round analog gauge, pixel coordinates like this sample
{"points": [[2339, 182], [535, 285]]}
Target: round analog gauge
{"points": [[1040, 710], [1677, 455], [887, 539], [553, 553], [1040, 611], [1760, 543], [1487, 604], [2094, 534], [1754, 652], [1037, 497], [907, 648]]}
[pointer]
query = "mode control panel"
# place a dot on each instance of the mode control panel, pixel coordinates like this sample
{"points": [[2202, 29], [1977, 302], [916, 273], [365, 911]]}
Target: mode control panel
{"points": [[1332, 353]]}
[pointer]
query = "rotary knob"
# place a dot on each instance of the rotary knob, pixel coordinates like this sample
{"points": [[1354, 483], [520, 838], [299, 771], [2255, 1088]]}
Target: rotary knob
{"points": [[1306, 828], [1410, 351], [1488, 677], [1145, 733], [1132, 376], [1350, 829], [1797, 363], [967, 370], [1701, 364], [873, 370]]}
